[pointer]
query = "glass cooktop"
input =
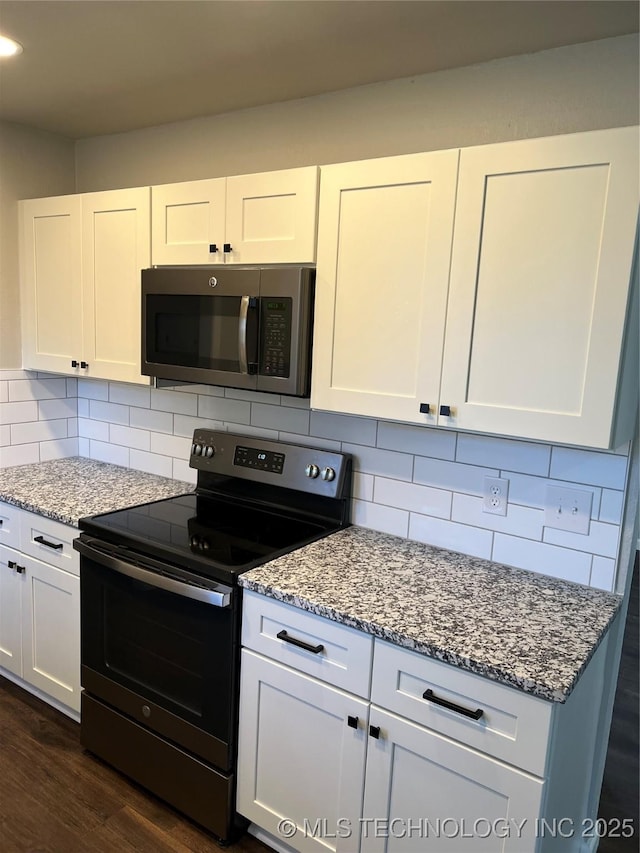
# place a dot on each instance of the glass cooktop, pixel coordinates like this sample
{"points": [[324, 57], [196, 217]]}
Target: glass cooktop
{"points": [[205, 533]]}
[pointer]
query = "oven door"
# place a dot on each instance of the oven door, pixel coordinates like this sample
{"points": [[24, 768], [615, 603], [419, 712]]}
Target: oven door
{"points": [[160, 649], [201, 325]]}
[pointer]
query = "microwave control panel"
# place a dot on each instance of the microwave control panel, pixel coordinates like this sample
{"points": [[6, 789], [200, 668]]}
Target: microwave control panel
{"points": [[275, 336]]}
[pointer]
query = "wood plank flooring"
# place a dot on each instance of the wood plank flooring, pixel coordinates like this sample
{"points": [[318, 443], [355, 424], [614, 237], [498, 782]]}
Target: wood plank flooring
{"points": [[57, 798]]}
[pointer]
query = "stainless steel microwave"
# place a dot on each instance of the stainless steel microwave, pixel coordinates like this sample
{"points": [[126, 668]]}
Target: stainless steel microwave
{"points": [[241, 327]]}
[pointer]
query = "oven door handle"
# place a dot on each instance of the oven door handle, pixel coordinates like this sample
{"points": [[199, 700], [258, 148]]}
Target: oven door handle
{"points": [[217, 598]]}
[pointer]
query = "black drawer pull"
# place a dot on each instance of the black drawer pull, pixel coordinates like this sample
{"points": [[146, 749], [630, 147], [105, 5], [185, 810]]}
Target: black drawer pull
{"points": [[374, 731], [430, 696], [57, 546], [352, 722], [282, 635]]}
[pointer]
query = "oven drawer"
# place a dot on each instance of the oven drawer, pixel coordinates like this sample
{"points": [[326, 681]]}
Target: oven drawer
{"points": [[514, 726], [313, 644], [50, 541]]}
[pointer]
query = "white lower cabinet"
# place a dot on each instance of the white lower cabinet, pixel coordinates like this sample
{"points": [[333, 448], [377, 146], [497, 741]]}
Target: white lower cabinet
{"points": [[419, 757], [40, 614]]}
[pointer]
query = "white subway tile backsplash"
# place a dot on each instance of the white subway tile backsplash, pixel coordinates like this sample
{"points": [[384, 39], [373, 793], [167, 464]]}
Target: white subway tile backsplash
{"points": [[59, 449], [611, 506], [98, 430], [172, 401], [38, 431], [152, 463], [386, 463], [63, 408], [37, 389], [114, 413], [170, 445], [385, 518], [151, 419], [504, 454], [451, 535], [105, 452], [129, 395], [15, 413], [420, 482], [543, 558], [280, 417], [421, 441], [343, 428], [93, 389], [590, 467], [129, 437], [410, 496], [451, 475], [19, 454], [223, 409], [602, 539], [519, 521], [603, 573]]}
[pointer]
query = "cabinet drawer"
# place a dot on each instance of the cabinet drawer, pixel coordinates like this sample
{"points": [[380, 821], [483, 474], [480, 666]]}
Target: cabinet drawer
{"points": [[9, 525], [49, 541], [513, 727], [344, 659]]}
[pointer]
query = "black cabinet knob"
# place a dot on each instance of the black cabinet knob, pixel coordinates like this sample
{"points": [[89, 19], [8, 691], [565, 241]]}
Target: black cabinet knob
{"points": [[213, 247], [425, 408], [446, 411], [227, 247], [374, 731], [352, 722], [74, 363], [84, 365]]}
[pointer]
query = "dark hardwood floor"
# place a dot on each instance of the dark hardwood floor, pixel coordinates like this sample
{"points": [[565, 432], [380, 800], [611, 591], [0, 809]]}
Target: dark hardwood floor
{"points": [[57, 798]]}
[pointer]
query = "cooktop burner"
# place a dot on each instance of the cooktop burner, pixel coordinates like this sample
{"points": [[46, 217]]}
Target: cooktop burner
{"points": [[255, 500]]}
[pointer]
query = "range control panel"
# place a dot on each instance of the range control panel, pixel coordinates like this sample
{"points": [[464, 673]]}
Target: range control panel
{"points": [[292, 466]]}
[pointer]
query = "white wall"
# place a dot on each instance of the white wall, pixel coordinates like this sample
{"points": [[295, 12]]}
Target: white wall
{"points": [[32, 165], [582, 87]]}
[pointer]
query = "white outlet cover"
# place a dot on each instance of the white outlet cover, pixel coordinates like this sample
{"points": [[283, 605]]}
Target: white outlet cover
{"points": [[568, 509], [495, 496]]}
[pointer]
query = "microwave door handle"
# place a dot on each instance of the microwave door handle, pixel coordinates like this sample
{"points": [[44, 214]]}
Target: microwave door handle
{"points": [[242, 334]]}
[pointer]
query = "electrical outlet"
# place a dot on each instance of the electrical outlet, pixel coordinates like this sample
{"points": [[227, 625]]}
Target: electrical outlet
{"points": [[496, 493], [568, 509]]}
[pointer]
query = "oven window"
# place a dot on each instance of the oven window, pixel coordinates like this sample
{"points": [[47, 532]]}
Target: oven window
{"points": [[173, 651], [197, 331]]}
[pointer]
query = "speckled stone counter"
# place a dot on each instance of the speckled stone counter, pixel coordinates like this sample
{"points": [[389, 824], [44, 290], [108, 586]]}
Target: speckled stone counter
{"points": [[67, 489], [527, 630]]}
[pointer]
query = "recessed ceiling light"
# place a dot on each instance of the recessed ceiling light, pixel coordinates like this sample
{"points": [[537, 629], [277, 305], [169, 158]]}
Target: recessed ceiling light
{"points": [[9, 47]]}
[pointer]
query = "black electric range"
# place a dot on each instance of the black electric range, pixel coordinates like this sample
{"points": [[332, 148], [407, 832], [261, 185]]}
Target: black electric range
{"points": [[161, 611]]}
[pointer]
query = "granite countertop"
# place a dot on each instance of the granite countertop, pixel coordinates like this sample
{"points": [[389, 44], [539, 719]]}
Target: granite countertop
{"points": [[527, 630], [68, 489]]}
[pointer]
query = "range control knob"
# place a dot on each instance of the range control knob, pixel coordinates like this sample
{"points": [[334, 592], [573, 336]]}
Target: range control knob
{"points": [[312, 470], [209, 451], [196, 449], [328, 474]]}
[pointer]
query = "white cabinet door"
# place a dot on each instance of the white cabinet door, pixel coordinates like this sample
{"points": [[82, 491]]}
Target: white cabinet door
{"points": [[541, 265], [299, 759], [51, 292], [188, 221], [11, 583], [51, 631], [427, 794], [116, 247], [271, 217], [384, 242]]}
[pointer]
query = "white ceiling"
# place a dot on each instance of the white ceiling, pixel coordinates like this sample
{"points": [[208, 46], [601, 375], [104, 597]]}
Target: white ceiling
{"points": [[92, 67]]}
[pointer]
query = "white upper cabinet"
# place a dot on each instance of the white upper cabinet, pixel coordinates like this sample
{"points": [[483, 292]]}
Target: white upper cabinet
{"points": [[116, 244], [537, 338], [81, 260], [51, 282], [540, 280], [266, 218], [384, 244]]}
